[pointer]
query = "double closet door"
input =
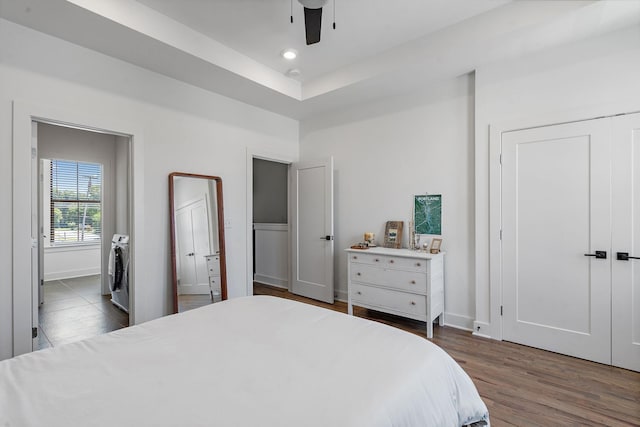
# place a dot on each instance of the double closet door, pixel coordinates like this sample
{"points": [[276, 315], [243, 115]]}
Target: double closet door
{"points": [[193, 246], [570, 239]]}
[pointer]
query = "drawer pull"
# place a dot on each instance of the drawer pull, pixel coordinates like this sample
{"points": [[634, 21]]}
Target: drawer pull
{"points": [[391, 261], [358, 274], [359, 293], [377, 260], [413, 282], [355, 257], [413, 303], [418, 264]]}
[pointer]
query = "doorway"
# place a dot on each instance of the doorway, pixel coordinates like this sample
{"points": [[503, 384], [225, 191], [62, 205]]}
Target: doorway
{"points": [[83, 200], [270, 222], [310, 257]]}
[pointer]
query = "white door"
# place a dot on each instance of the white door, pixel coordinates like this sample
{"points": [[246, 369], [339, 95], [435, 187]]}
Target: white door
{"points": [[312, 229], [625, 304], [555, 215], [192, 229]]}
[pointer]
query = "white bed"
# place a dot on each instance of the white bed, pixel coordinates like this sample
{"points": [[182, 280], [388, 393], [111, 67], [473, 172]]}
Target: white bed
{"points": [[254, 361]]}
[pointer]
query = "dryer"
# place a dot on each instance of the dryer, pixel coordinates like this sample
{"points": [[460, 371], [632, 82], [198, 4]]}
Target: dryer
{"points": [[119, 271]]}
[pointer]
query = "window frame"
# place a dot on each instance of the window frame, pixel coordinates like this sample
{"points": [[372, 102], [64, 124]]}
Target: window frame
{"points": [[51, 243]]}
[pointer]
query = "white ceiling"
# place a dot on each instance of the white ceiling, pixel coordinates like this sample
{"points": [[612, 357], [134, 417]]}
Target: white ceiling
{"points": [[260, 29], [380, 49]]}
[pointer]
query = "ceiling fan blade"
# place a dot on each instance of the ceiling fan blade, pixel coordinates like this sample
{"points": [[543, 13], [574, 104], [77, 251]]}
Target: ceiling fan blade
{"points": [[312, 24]]}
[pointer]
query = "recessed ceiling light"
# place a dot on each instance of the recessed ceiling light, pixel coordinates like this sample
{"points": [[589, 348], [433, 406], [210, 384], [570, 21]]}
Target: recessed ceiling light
{"points": [[289, 54]]}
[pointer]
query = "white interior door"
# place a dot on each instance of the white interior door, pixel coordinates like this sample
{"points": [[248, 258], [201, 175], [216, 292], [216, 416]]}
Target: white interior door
{"points": [[312, 229], [192, 229], [555, 209], [625, 304], [201, 244]]}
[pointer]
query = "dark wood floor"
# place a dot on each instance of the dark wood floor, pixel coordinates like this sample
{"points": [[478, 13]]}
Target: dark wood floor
{"points": [[73, 310], [522, 385], [189, 302]]}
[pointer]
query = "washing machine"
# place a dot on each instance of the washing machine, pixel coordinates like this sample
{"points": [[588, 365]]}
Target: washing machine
{"points": [[119, 271]]}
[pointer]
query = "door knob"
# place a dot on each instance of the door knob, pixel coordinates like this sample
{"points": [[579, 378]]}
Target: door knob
{"points": [[598, 254], [624, 256]]}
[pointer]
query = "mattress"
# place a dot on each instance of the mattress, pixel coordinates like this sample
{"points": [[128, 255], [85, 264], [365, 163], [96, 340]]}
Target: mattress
{"points": [[253, 361]]}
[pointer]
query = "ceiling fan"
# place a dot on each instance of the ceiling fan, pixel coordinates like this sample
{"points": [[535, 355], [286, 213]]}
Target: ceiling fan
{"points": [[313, 19]]}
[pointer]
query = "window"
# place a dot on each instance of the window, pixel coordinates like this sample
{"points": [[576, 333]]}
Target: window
{"points": [[76, 203]]}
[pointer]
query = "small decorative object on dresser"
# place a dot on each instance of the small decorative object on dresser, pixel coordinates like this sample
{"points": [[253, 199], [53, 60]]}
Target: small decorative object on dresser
{"points": [[435, 245], [393, 234], [370, 238], [398, 281]]}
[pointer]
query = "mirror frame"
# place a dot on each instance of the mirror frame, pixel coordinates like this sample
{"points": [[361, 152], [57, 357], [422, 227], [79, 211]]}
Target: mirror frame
{"points": [[221, 243]]}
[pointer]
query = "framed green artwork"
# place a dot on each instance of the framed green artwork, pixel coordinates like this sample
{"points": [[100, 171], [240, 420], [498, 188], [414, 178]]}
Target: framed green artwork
{"points": [[427, 210]]}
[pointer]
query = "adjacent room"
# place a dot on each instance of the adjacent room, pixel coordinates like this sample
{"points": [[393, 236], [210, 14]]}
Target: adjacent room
{"points": [[82, 194], [335, 213]]}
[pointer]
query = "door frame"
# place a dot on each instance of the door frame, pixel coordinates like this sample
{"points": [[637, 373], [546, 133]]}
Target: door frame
{"points": [[22, 240], [494, 328], [287, 159]]}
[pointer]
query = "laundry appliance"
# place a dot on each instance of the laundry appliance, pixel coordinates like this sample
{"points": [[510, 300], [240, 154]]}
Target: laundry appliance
{"points": [[119, 271]]}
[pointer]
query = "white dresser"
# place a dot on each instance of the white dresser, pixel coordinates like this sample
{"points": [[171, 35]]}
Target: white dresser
{"points": [[213, 268], [398, 281]]}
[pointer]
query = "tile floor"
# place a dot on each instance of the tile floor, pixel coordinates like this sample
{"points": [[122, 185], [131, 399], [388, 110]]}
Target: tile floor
{"points": [[73, 310]]}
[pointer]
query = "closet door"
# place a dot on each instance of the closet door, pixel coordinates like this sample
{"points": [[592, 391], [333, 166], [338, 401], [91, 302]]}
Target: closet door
{"points": [[185, 251], [625, 302], [193, 245], [556, 202]]}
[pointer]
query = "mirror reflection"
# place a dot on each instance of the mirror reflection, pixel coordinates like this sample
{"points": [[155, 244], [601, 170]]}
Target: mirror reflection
{"points": [[197, 240]]}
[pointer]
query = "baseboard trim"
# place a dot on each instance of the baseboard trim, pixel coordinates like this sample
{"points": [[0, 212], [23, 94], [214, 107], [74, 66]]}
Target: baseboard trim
{"points": [[482, 329], [271, 281], [58, 275], [340, 295], [458, 321]]}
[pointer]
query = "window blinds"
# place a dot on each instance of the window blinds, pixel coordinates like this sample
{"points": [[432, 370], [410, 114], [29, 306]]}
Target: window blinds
{"points": [[76, 198]]}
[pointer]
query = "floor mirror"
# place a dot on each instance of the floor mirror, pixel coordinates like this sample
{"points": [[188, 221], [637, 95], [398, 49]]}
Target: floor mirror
{"points": [[197, 240]]}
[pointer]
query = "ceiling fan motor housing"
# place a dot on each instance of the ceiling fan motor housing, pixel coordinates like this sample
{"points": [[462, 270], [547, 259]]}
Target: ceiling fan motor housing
{"points": [[312, 19], [313, 4]]}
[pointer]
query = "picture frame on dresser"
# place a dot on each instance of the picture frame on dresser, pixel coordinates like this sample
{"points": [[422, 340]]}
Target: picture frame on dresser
{"points": [[436, 243], [393, 234]]}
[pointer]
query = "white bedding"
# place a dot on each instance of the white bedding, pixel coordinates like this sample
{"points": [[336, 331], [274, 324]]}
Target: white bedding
{"points": [[254, 361]]}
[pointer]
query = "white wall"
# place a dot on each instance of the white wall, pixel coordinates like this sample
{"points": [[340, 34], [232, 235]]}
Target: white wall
{"points": [[592, 78], [73, 261], [272, 254], [122, 185], [405, 147], [185, 129]]}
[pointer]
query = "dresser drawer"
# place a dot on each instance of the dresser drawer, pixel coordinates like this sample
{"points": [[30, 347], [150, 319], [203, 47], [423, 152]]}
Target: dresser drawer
{"points": [[213, 265], [411, 281], [214, 282], [400, 302], [387, 261]]}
